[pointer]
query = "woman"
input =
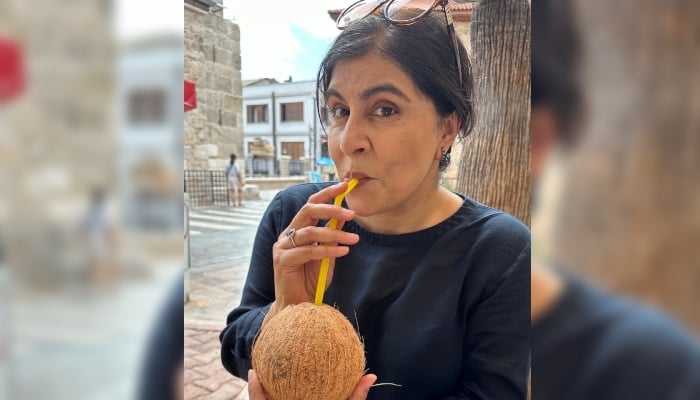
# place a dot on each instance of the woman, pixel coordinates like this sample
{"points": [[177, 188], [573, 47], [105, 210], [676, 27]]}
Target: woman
{"points": [[235, 182], [437, 283]]}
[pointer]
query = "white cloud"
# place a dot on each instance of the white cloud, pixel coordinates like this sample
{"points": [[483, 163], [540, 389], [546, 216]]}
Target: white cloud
{"points": [[268, 47], [137, 18], [267, 44]]}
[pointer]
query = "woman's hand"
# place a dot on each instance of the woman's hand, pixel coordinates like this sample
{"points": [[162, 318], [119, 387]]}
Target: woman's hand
{"points": [[297, 266], [256, 391]]}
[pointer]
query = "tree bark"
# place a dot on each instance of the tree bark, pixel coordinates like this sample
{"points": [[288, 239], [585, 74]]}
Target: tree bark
{"points": [[495, 164]]}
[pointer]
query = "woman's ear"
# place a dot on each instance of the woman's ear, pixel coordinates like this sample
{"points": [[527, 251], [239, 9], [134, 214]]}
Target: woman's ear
{"points": [[449, 130]]}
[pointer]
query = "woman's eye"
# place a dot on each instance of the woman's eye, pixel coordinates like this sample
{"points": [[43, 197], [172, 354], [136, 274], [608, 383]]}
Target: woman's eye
{"points": [[338, 112], [385, 111]]}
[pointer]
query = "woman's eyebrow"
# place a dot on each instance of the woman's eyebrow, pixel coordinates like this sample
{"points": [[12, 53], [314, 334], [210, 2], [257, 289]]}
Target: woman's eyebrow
{"points": [[333, 92], [385, 87]]}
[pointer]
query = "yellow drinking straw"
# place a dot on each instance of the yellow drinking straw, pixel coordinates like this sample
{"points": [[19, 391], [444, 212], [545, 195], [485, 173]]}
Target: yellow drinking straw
{"points": [[325, 263]]}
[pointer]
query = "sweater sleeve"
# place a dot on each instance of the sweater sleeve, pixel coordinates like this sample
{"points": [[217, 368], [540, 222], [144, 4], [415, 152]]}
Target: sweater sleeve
{"points": [[497, 352], [244, 322]]}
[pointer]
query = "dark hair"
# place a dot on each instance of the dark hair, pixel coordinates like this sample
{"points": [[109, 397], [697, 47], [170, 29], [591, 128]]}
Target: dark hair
{"points": [[233, 158], [415, 48]]}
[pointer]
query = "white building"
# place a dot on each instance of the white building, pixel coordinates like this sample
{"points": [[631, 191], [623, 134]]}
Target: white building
{"points": [[150, 149], [283, 114]]}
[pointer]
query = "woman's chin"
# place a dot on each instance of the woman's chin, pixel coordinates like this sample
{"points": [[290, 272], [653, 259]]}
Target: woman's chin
{"points": [[361, 208]]}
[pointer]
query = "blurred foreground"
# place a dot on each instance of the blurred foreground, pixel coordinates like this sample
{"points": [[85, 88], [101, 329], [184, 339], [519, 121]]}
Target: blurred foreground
{"points": [[91, 208], [616, 225]]}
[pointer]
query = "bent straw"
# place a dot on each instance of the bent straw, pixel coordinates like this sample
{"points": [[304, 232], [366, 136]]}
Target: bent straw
{"points": [[325, 262]]}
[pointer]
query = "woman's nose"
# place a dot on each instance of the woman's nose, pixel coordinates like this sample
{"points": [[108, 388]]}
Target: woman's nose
{"points": [[353, 138]]}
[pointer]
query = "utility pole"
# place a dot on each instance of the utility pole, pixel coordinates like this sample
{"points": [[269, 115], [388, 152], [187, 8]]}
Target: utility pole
{"points": [[274, 135], [316, 117]]}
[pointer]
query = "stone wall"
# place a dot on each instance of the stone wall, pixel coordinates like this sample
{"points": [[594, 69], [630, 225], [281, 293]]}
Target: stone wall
{"points": [[58, 137], [214, 129]]}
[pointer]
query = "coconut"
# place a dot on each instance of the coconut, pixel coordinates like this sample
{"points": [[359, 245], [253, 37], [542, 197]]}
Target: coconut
{"points": [[308, 352]]}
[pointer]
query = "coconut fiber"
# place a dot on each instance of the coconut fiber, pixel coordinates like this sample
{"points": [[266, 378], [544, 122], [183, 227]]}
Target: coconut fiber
{"points": [[308, 352]]}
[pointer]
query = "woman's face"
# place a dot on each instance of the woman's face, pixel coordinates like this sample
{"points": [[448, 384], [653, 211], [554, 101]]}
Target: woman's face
{"points": [[386, 133]]}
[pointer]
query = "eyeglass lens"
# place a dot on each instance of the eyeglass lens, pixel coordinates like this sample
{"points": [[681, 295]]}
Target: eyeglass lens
{"points": [[406, 10]]}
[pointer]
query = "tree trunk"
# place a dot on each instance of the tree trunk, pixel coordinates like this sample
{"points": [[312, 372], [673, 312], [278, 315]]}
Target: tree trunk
{"points": [[495, 164]]}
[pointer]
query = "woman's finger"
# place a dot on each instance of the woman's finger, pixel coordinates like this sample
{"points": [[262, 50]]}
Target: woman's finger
{"points": [[302, 255], [311, 213], [328, 194], [313, 234], [362, 388], [323, 197], [255, 389]]}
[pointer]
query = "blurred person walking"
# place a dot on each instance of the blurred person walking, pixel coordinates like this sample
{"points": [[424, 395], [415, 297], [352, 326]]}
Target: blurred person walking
{"points": [[235, 182], [101, 241]]}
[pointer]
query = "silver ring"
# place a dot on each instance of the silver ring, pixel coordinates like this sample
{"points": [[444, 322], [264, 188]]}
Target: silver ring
{"points": [[290, 236]]}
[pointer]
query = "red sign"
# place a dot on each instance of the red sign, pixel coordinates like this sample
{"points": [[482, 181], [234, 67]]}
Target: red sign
{"points": [[11, 70], [190, 95]]}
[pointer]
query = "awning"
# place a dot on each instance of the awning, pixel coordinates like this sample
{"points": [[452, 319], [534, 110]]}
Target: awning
{"points": [[11, 70], [190, 96], [325, 162]]}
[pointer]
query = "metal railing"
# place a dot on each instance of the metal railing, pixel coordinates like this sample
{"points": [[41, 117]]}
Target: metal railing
{"points": [[296, 167], [206, 188]]}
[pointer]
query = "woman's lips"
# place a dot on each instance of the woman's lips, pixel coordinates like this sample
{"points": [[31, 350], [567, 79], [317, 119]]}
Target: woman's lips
{"points": [[361, 178]]}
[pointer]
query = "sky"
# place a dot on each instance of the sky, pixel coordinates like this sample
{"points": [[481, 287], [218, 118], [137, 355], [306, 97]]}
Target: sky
{"points": [[133, 19], [282, 38], [279, 38]]}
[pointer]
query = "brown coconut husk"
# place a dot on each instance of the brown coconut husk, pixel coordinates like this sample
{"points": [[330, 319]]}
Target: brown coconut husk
{"points": [[308, 352]]}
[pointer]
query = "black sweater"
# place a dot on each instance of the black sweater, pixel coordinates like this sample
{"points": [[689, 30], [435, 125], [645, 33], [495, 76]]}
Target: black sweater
{"points": [[444, 312], [596, 345]]}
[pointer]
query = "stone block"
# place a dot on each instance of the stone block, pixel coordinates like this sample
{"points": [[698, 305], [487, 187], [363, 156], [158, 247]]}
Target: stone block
{"points": [[209, 79], [216, 100], [213, 115], [233, 31], [208, 52], [225, 71], [224, 84], [212, 149], [220, 24], [226, 43], [203, 135], [232, 103], [205, 151], [229, 118], [237, 85], [222, 56], [217, 164], [229, 134]]}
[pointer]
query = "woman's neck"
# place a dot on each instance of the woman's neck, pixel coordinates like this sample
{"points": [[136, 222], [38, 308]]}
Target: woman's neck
{"points": [[420, 211]]}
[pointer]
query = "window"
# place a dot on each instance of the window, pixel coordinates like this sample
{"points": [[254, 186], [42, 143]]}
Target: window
{"points": [[146, 107], [257, 113], [293, 149], [293, 111]]}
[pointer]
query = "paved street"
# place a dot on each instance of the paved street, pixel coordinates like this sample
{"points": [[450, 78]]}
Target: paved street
{"points": [[220, 246]]}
